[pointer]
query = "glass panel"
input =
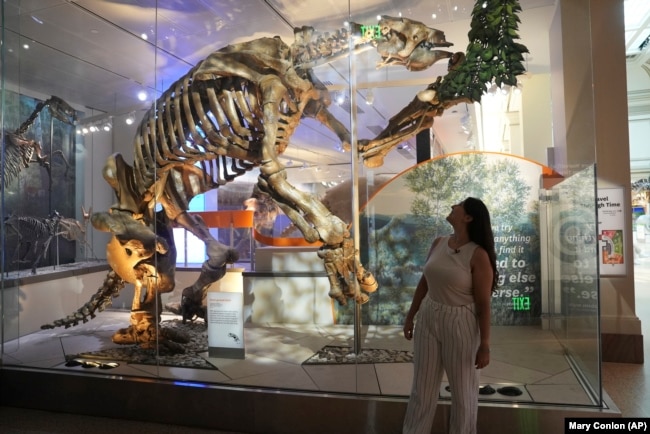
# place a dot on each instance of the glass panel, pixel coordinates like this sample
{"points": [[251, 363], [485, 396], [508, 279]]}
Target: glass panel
{"points": [[42, 228], [573, 274], [238, 103], [409, 212], [70, 78], [5, 313], [132, 69]]}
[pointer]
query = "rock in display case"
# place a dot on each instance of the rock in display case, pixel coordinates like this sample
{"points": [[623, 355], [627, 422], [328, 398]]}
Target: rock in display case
{"points": [[153, 119]]}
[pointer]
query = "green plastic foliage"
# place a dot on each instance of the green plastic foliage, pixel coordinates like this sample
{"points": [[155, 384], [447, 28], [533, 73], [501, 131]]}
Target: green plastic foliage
{"points": [[492, 54]]}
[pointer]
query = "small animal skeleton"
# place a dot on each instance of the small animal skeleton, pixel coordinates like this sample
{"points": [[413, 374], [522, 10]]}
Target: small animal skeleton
{"points": [[234, 111], [20, 152], [37, 233]]}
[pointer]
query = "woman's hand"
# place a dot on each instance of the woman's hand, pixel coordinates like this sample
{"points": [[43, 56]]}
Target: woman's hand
{"points": [[482, 357], [408, 329]]}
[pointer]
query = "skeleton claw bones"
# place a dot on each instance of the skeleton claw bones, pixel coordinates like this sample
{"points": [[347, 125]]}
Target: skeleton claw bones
{"points": [[234, 111]]}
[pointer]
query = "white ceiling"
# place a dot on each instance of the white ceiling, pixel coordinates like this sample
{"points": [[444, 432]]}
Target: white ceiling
{"points": [[92, 54]]}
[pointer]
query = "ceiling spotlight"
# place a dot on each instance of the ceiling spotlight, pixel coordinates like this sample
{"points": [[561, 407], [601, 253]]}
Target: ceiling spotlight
{"points": [[84, 130], [142, 95], [130, 118], [106, 127], [93, 128]]}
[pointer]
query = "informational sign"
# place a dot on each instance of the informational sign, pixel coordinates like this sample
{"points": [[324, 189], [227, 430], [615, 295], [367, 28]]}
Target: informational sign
{"points": [[517, 298], [611, 220], [225, 318]]}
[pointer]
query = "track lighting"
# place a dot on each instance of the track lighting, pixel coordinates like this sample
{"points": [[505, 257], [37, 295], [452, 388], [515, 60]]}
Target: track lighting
{"points": [[95, 125]]}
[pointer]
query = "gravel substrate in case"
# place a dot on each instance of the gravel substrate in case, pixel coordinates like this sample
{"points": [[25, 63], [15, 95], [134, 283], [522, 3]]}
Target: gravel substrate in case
{"points": [[331, 355]]}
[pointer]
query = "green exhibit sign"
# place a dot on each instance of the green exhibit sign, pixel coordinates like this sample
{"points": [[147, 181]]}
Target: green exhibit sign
{"points": [[520, 303]]}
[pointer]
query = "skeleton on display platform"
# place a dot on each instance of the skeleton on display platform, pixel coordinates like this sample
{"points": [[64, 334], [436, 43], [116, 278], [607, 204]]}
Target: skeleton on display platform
{"points": [[36, 233], [237, 110]]}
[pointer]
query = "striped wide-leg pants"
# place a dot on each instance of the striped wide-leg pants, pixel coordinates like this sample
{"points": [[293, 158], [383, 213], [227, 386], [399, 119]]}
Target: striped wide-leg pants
{"points": [[446, 337]]}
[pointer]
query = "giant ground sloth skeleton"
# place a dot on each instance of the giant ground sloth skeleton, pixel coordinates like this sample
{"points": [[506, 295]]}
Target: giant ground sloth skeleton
{"points": [[235, 111]]}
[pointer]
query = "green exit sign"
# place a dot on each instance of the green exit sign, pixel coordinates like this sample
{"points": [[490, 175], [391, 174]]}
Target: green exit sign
{"points": [[520, 303], [371, 32]]}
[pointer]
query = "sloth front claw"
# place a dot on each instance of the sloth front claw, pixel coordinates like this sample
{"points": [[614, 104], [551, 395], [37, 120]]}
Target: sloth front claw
{"points": [[341, 264]]}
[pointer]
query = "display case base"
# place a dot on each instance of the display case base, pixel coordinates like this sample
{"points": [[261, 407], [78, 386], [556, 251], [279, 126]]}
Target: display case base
{"points": [[255, 410]]}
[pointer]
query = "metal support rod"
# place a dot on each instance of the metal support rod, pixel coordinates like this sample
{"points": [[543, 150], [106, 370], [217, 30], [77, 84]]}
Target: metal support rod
{"points": [[49, 171], [48, 255], [355, 192], [252, 248]]}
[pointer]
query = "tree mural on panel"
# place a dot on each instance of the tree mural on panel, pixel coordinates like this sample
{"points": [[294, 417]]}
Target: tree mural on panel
{"points": [[399, 243], [496, 184]]}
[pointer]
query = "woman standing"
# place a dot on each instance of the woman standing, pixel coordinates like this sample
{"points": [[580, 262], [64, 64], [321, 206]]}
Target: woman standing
{"points": [[453, 328]]}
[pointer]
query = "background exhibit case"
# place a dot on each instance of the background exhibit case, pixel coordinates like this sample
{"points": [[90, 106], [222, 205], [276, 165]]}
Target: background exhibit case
{"points": [[112, 64]]}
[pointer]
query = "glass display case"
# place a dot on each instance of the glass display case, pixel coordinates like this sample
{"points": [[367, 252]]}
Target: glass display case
{"points": [[276, 165]]}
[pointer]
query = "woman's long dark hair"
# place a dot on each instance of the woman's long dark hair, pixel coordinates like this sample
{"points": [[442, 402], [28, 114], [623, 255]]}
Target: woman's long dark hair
{"points": [[480, 231]]}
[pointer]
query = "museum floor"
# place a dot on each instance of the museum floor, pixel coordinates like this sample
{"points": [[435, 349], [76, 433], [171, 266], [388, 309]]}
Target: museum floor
{"points": [[275, 356]]}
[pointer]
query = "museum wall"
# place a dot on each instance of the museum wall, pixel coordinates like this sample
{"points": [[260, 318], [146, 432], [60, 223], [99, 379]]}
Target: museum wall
{"points": [[536, 111]]}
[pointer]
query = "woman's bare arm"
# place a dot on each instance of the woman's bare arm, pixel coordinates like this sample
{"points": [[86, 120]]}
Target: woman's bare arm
{"points": [[482, 276]]}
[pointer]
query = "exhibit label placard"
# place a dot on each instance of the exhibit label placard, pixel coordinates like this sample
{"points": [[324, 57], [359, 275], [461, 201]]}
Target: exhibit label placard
{"points": [[611, 220], [225, 318]]}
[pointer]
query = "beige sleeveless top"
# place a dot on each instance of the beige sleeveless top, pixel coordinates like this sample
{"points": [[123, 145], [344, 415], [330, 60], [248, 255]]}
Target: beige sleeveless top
{"points": [[449, 275]]}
